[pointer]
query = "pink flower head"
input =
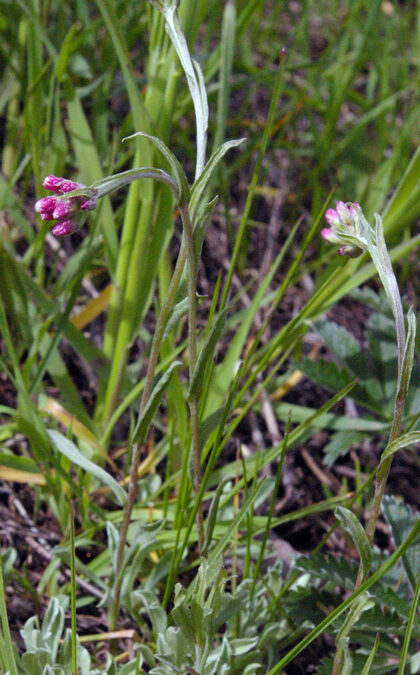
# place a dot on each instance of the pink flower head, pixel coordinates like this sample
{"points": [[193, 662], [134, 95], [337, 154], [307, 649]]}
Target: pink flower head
{"points": [[347, 228], [60, 185], [66, 211]]}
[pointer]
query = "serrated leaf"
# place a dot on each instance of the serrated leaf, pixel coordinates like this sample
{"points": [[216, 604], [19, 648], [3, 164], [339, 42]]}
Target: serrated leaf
{"points": [[351, 525], [177, 171], [338, 339], [329, 375], [340, 443], [329, 567], [147, 415], [72, 452], [401, 520]]}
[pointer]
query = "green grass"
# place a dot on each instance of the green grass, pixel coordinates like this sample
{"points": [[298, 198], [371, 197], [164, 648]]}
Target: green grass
{"points": [[336, 114]]}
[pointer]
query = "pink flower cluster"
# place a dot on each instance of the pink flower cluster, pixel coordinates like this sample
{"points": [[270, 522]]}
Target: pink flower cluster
{"points": [[65, 211], [344, 225]]}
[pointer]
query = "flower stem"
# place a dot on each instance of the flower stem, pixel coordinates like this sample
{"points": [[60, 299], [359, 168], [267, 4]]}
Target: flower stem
{"points": [[135, 461], [389, 281], [192, 344]]}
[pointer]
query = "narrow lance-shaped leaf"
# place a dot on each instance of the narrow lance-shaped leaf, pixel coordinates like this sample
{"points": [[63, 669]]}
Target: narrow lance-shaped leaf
{"points": [[367, 667], [178, 311], [195, 84], [212, 515], [177, 171], [404, 441], [361, 604], [69, 450], [146, 416], [352, 527], [110, 183], [408, 357], [202, 182], [206, 353]]}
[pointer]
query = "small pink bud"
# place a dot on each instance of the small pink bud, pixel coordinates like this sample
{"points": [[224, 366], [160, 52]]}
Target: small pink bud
{"points": [[64, 208], [332, 217], [45, 207], [52, 183], [60, 185], [329, 235], [343, 212], [69, 186], [63, 227]]}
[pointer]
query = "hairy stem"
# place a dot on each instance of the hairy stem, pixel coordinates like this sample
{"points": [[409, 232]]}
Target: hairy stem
{"points": [[388, 278], [135, 461], [192, 344]]}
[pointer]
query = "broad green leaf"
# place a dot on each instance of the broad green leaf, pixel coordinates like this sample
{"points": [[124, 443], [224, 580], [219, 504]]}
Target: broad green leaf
{"points": [[72, 452], [351, 525]]}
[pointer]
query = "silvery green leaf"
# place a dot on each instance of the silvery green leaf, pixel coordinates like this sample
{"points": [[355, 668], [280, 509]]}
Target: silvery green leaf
{"points": [[203, 92], [361, 604], [178, 173], [53, 624], [29, 633], [146, 603], [352, 527], [106, 185], [72, 452], [113, 539], [198, 93], [201, 183], [33, 663], [165, 5]]}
